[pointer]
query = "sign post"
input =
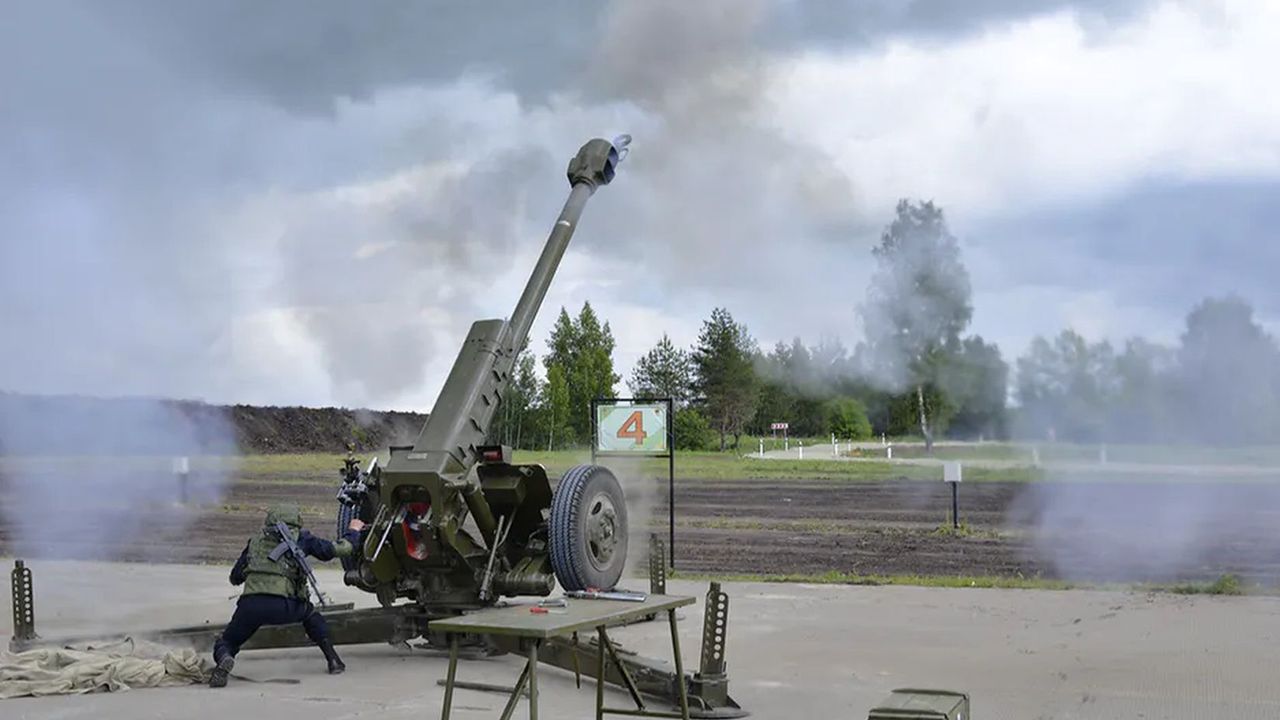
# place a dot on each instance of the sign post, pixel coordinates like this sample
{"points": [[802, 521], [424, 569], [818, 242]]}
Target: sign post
{"points": [[639, 427], [951, 475], [182, 469], [775, 427]]}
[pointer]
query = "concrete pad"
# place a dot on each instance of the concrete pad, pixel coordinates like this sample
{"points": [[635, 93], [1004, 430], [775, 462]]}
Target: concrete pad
{"points": [[794, 651]]}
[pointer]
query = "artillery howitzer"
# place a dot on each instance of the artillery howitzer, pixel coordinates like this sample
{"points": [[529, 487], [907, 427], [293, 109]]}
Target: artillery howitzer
{"points": [[449, 539], [453, 525]]}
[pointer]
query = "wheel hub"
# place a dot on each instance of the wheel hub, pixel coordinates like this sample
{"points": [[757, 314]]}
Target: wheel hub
{"points": [[602, 527]]}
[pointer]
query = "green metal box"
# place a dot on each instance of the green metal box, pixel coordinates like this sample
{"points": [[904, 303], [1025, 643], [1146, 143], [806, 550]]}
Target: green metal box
{"points": [[914, 704]]}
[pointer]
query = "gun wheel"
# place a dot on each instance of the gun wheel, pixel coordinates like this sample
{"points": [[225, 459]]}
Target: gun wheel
{"points": [[588, 529]]}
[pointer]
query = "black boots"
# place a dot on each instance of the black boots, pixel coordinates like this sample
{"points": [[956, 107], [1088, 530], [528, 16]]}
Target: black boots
{"points": [[225, 663], [335, 662], [218, 678]]}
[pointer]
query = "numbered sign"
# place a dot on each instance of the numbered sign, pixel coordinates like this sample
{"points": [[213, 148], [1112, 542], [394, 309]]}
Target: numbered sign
{"points": [[632, 428]]}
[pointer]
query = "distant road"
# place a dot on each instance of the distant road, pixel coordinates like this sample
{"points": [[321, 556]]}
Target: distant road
{"points": [[827, 452]]}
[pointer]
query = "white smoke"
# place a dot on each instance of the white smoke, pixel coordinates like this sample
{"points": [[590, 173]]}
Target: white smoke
{"points": [[112, 479], [1175, 474]]}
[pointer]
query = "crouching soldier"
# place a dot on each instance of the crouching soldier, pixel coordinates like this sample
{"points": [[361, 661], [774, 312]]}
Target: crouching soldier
{"points": [[275, 588]]}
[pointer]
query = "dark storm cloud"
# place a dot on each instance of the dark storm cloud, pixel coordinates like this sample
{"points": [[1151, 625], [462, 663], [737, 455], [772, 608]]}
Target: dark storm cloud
{"points": [[1160, 246], [126, 160], [305, 53], [133, 132]]}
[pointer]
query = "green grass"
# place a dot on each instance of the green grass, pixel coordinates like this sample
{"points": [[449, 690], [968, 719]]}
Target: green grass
{"points": [[986, 451], [1182, 454], [748, 443], [740, 464], [846, 578], [312, 468], [965, 530], [1228, 585], [323, 467], [726, 466]]}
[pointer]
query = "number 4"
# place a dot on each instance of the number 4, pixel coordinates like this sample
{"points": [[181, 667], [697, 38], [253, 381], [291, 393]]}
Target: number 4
{"points": [[633, 428]]}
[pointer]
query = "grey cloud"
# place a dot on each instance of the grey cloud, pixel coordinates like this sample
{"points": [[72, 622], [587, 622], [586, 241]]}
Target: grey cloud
{"points": [[843, 23], [1162, 246], [303, 54], [131, 130]]}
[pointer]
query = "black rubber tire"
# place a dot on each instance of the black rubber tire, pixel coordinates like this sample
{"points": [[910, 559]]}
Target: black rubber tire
{"points": [[345, 514], [579, 497]]}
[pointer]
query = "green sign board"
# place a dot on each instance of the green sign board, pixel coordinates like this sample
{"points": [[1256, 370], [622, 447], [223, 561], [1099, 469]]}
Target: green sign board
{"points": [[640, 429]]}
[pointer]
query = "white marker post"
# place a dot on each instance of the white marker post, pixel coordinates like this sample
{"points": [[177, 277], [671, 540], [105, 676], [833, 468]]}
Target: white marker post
{"points": [[888, 452], [182, 468], [800, 449], [1035, 456], [762, 447], [951, 474]]}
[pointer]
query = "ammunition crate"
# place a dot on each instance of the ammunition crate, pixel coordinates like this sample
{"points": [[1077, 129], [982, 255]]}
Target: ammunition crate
{"points": [[913, 704]]}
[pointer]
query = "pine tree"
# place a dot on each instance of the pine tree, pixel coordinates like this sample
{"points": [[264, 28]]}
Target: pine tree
{"points": [[555, 409], [665, 371], [726, 380], [582, 349]]}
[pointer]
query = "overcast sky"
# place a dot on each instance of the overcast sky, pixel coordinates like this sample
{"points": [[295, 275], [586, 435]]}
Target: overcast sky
{"points": [[309, 202]]}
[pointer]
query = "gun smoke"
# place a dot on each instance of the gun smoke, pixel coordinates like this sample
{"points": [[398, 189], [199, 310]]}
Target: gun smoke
{"points": [[1191, 429], [96, 479]]}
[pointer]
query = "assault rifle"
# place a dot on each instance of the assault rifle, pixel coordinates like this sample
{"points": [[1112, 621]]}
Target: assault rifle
{"points": [[287, 545]]}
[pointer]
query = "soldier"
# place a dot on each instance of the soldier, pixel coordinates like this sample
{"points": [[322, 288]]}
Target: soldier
{"points": [[276, 591]]}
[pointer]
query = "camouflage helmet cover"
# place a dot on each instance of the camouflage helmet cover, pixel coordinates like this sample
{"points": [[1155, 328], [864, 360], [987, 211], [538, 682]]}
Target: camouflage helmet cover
{"points": [[287, 513]]}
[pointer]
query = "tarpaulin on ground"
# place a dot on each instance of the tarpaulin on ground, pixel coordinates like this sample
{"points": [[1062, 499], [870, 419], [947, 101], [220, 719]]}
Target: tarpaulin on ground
{"points": [[123, 665]]}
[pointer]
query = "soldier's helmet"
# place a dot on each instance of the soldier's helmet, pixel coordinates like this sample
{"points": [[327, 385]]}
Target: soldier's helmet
{"points": [[287, 513]]}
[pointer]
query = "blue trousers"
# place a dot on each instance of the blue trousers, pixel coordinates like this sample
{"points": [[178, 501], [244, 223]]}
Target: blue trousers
{"points": [[254, 611]]}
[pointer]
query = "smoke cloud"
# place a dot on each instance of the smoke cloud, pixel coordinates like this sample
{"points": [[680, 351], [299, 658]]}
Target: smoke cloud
{"points": [[1173, 474], [1163, 524], [716, 191], [97, 478]]}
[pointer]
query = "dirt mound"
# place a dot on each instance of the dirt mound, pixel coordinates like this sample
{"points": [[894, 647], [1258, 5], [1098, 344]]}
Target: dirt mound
{"points": [[78, 425], [301, 429]]}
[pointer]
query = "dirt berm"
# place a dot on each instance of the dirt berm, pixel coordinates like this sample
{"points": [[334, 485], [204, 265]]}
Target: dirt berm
{"points": [[88, 425]]}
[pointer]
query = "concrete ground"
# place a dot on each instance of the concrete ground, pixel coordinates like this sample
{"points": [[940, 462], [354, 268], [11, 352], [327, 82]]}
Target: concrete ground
{"points": [[794, 651]]}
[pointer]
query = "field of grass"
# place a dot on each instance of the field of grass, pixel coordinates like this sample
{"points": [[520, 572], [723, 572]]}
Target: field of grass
{"points": [[725, 466], [311, 467], [1224, 585], [1263, 456]]}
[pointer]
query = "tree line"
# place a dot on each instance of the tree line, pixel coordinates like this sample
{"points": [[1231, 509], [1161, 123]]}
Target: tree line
{"points": [[915, 371], [1218, 385]]}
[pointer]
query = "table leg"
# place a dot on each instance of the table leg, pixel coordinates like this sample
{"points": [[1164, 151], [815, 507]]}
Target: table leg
{"points": [[515, 694], [675, 647], [449, 678], [622, 670], [600, 674], [533, 679]]}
